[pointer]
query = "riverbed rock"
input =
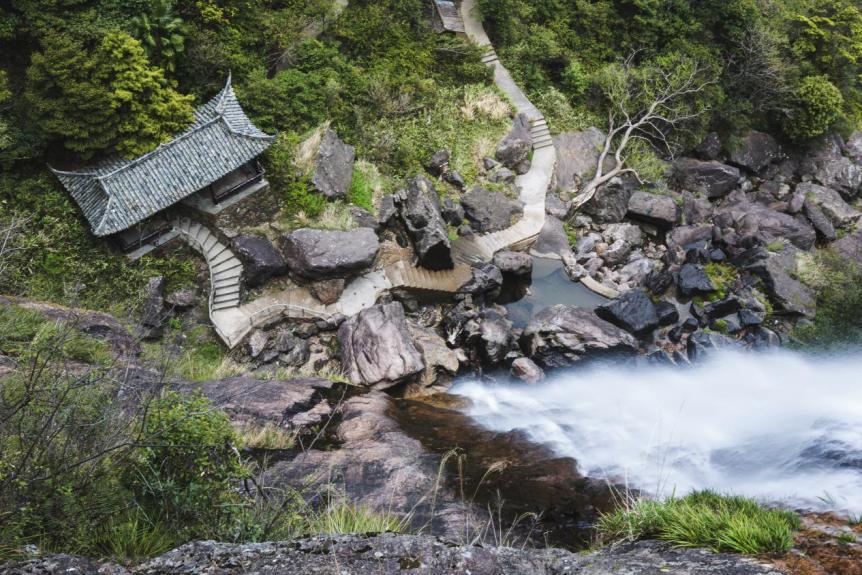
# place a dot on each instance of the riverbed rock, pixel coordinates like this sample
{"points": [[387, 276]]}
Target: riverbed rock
{"points": [[494, 338], [696, 210], [710, 178], [517, 145], [420, 210], [633, 311], [577, 154], [833, 205], [653, 208], [561, 335], [778, 272], [755, 151], [441, 363], [701, 343], [333, 166], [752, 218], [322, 254], [552, 241], [488, 211], [513, 263], [486, 279], [693, 281], [376, 347], [527, 371], [260, 259], [452, 212]]}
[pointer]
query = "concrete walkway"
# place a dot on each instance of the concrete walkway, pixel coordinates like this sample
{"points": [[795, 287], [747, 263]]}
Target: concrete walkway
{"points": [[234, 322]]}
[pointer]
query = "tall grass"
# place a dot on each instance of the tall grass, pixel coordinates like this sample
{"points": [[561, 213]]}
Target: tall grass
{"points": [[702, 519]]}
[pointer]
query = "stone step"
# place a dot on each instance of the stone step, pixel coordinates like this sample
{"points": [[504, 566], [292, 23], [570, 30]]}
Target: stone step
{"points": [[209, 242], [227, 289], [227, 266], [547, 144], [226, 284], [535, 133], [194, 230], [223, 256], [215, 251], [539, 122], [543, 138], [232, 297], [225, 305]]}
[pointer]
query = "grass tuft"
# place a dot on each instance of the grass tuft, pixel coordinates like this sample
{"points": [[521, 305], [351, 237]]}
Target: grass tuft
{"points": [[703, 519], [346, 518]]}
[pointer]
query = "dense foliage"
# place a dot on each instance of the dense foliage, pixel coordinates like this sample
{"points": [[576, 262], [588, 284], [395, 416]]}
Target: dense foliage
{"points": [[790, 64], [84, 79]]}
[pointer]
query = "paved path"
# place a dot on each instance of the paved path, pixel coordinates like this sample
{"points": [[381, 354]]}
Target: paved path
{"points": [[233, 322]]}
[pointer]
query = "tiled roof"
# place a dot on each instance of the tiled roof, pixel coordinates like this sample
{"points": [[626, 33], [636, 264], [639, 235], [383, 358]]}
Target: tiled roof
{"points": [[116, 194]]}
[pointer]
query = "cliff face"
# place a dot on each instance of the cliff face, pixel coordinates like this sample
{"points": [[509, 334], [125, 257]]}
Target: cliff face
{"points": [[389, 553]]}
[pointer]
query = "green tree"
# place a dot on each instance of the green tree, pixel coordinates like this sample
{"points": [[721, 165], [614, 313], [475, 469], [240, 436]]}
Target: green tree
{"points": [[161, 33], [105, 100], [817, 105]]}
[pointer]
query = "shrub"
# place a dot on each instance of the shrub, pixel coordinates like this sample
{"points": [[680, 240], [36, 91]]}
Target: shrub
{"points": [[817, 106], [703, 519], [186, 473], [837, 324]]}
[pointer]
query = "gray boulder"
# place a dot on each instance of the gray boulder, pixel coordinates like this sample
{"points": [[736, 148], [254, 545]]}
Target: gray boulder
{"points": [[452, 212], [260, 259], [494, 339], [710, 147], [333, 167], [841, 174], [778, 271], [653, 208], [756, 151], [488, 211], [376, 347], [696, 210], [757, 218], [514, 263], [420, 210], [853, 147], [710, 178], [561, 335], [323, 254], [822, 225], [552, 241], [516, 146], [577, 154], [633, 311], [485, 279], [850, 246], [438, 163], [831, 202]]}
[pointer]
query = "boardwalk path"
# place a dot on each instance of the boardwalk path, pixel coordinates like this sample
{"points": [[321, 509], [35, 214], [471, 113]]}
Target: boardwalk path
{"points": [[233, 322]]}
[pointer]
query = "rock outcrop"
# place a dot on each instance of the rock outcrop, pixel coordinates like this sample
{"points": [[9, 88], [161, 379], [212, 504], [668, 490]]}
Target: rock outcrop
{"points": [[260, 259], [515, 148], [376, 347], [333, 166], [710, 178], [489, 211], [420, 210], [323, 254]]}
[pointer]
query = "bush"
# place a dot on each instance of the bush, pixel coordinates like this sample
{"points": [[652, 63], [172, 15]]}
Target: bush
{"points": [[817, 106], [186, 473], [703, 519], [837, 324]]}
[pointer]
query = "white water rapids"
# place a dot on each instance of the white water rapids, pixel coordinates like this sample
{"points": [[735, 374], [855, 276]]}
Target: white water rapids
{"points": [[780, 427]]}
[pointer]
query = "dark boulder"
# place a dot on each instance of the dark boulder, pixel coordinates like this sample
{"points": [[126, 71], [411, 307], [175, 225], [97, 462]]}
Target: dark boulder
{"points": [[333, 167], [561, 335], [488, 211], [420, 210], [452, 212], [709, 148], [517, 145], [701, 343], [438, 163], [658, 281], [722, 307], [633, 311], [830, 202], [756, 151], [376, 347], [751, 219], [696, 210], [494, 339], [711, 178], [486, 279], [324, 254], [653, 208], [260, 259], [693, 281], [667, 313], [611, 202], [850, 246], [327, 291], [454, 178]]}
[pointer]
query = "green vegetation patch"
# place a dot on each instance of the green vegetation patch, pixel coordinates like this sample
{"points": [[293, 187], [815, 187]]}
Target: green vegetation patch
{"points": [[703, 519], [722, 276], [837, 324]]}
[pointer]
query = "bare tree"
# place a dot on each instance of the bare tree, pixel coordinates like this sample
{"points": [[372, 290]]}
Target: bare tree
{"points": [[651, 103]]}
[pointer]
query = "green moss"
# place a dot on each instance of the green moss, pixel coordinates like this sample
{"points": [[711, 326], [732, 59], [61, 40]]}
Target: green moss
{"points": [[775, 246], [704, 519], [720, 325], [361, 191], [722, 276]]}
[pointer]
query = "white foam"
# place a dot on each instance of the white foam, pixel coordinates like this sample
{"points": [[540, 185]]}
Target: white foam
{"points": [[778, 426]]}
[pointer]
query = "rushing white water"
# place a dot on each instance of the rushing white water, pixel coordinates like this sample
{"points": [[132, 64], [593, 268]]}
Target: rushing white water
{"points": [[780, 427]]}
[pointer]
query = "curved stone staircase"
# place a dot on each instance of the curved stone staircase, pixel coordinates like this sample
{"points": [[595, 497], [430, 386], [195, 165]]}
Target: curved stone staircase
{"points": [[233, 322]]}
